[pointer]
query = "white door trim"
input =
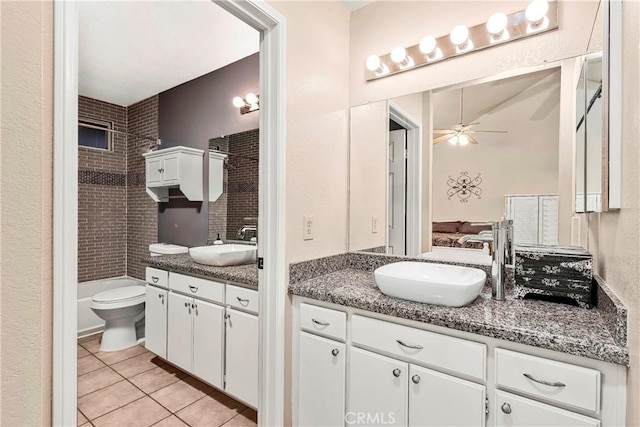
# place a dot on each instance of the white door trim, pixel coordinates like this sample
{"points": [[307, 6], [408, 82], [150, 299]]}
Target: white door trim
{"points": [[271, 25], [414, 180]]}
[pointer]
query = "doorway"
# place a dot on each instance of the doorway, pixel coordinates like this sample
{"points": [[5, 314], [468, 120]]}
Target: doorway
{"points": [[272, 284]]}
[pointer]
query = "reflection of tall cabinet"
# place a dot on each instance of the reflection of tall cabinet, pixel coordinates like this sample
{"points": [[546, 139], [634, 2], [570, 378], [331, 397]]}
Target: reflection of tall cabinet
{"points": [[535, 218]]}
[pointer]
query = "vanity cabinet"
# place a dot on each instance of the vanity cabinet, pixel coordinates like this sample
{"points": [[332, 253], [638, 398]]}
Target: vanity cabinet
{"points": [[195, 337], [155, 326], [321, 393], [241, 379], [177, 167]]}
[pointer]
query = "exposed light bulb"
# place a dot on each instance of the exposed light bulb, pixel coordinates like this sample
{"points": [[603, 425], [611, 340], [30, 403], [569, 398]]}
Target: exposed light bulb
{"points": [[536, 11], [398, 54], [238, 102], [251, 98], [373, 62], [428, 45], [463, 139], [497, 23], [459, 35]]}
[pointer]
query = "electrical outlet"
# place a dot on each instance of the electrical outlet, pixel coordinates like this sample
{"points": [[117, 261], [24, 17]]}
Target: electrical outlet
{"points": [[307, 227], [374, 224]]}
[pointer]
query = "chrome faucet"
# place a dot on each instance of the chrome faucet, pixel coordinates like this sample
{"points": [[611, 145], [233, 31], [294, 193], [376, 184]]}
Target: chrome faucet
{"points": [[501, 248]]}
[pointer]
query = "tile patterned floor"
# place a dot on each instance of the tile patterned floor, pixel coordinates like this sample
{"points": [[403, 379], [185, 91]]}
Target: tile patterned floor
{"points": [[133, 387]]}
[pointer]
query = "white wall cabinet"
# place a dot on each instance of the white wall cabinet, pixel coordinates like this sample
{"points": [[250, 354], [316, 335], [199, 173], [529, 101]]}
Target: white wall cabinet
{"points": [[242, 356], [155, 326], [321, 393], [176, 167]]}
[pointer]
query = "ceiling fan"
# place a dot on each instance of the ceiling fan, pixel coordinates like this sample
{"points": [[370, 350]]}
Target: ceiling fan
{"points": [[460, 133]]}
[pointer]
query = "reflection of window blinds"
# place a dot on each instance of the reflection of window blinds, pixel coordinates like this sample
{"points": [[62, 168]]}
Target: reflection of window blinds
{"points": [[535, 219]]}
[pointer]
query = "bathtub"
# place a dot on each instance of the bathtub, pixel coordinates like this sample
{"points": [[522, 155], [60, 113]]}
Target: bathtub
{"points": [[88, 322]]}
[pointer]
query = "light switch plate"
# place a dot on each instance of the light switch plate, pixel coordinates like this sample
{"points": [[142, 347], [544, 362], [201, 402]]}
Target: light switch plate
{"points": [[374, 224], [307, 227]]}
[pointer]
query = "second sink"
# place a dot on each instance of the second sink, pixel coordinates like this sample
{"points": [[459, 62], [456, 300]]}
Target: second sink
{"points": [[430, 283]]}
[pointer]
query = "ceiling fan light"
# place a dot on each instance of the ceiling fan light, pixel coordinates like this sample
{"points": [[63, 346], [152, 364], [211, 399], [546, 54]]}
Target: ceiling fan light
{"points": [[463, 139]]}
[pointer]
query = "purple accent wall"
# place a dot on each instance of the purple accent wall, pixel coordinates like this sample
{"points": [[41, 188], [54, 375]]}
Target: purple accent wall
{"points": [[190, 115]]}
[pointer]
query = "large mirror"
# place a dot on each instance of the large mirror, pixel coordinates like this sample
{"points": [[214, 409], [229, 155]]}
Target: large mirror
{"points": [[431, 167]]}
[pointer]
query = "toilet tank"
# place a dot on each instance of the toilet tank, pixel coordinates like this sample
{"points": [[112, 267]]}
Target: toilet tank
{"points": [[156, 249]]}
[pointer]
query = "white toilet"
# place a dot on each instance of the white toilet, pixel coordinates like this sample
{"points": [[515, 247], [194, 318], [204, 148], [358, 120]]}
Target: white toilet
{"points": [[122, 308]]}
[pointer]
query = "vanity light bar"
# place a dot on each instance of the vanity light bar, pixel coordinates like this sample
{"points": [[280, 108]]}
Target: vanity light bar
{"points": [[476, 38]]}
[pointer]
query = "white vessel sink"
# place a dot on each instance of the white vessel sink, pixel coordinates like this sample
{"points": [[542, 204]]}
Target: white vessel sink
{"points": [[223, 255], [431, 283]]}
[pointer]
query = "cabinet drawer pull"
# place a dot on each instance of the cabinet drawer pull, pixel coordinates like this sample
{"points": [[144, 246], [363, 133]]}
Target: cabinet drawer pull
{"points": [[335, 351], [243, 301], [411, 346], [193, 289], [319, 322], [396, 372], [543, 382], [506, 408], [415, 379], [155, 279]]}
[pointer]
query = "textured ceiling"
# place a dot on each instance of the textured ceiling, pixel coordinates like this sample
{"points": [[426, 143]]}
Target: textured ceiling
{"points": [[129, 51]]}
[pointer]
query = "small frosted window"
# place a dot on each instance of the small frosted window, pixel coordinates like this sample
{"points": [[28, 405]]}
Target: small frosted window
{"points": [[95, 136]]}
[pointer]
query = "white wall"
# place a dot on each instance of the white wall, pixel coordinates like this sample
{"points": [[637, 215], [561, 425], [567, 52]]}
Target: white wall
{"points": [[26, 175], [522, 161]]}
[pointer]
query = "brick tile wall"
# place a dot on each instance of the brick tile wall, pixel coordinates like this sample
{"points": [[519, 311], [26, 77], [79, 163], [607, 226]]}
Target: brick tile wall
{"points": [[242, 182], [218, 208], [102, 212], [142, 212]]}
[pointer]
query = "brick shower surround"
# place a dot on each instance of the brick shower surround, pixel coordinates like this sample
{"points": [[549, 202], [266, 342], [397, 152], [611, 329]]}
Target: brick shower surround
{"points": [[240, 192], [142, 211], [102, 195], [116, 218]]}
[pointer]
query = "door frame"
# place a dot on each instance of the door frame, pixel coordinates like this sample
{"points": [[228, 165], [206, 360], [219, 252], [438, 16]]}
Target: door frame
{"points": [[413, 228], [272, 290]]}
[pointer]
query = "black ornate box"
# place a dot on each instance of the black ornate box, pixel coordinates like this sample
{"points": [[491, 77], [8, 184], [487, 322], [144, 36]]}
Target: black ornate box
{"points": [[554, 273]]}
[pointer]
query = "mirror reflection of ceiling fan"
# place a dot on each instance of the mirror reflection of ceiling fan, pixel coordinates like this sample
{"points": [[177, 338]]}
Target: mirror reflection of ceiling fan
{"points": [[460, 134]]}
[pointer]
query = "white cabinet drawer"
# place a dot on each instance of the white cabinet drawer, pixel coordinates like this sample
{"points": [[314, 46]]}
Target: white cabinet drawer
{"points": [[516, 411], [555, 381], [242, 298], [196, 287], [323, 321], [454, 355], [157, 277]]}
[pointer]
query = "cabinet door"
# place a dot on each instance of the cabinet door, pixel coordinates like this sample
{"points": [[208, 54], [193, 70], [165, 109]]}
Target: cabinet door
{"points": [[170, 168], [516, 411], [242, 356], [321, 379], [179, 327], [154, 170], [377, 390], [155, 322], [437, 399], [208, 340]]}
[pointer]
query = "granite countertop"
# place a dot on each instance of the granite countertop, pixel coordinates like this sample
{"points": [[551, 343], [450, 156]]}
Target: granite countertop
{"points": [[559, 327], [244, 275]]}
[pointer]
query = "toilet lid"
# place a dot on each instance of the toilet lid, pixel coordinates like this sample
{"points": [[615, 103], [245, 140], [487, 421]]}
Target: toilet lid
{"points": [[118, 295]]}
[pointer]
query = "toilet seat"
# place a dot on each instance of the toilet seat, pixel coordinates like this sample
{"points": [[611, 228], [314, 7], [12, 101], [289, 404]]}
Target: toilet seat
{"points": [[125, 296]]}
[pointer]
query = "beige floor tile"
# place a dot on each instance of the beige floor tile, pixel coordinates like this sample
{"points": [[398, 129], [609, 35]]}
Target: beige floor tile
{"points": [[82, 352], [171, 421], [88, 364], [141, 413], [91, 343], [82, 419], [157, 378], [177, 395], [247, 418], [211, 411], [137, 364], [112, 357], [106, 400], [96, 380]]}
